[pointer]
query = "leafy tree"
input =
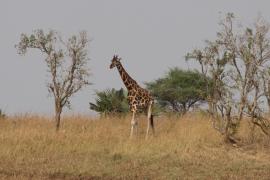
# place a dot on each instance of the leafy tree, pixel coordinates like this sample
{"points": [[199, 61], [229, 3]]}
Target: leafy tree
{"points": [[66, 62], [179, 90], [110, 101]]}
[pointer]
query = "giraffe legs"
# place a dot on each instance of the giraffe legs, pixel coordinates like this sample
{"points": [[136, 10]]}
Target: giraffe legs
{"points": [[134, 124], [150, 120]]}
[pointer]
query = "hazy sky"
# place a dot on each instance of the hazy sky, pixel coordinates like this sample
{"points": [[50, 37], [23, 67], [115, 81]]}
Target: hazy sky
{"points": [[150, 36]]}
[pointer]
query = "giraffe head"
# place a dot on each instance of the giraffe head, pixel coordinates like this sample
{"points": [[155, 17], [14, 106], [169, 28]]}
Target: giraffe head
{"points": [[115, 61]]}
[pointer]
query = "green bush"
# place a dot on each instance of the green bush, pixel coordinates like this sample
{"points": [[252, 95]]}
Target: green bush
{"points": [[110, 101], [179, 90], [2, 114]]}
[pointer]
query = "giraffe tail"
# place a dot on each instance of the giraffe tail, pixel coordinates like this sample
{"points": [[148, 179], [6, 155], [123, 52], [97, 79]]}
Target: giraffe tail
{"points": [[152, 122]]}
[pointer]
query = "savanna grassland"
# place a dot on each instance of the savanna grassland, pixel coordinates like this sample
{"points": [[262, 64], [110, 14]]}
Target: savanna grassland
{"points": [[85, 148]]}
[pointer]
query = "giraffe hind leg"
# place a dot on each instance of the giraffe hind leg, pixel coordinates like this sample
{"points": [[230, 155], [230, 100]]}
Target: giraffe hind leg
{"points": [[150, 121]]}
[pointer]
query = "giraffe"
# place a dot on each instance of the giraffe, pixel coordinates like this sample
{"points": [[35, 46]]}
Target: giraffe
{"points": [[138, 98]]}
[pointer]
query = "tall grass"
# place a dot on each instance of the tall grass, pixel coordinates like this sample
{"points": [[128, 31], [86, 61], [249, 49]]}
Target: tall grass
{"points": [[85, 148]]}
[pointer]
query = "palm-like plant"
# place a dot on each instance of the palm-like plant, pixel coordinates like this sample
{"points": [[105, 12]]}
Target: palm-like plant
{"points": [[110, 101]]}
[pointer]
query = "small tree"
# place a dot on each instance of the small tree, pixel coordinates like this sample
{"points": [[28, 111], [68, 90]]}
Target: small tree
{"points": [[239, 63], [179, 90], [110, 101], [66, 62]]}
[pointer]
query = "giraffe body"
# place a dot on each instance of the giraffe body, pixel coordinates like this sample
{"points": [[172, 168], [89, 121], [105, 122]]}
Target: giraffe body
{"points": [[138, 98]]}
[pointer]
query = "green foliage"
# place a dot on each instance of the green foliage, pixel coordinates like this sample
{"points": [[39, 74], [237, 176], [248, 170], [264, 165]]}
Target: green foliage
{"points": [[179, 90], [2, 114], [110, 101]]}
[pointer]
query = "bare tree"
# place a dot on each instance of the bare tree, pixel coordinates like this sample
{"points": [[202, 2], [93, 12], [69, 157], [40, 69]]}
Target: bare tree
{"points": [[213, 62], [66, 62], [238, 62]]}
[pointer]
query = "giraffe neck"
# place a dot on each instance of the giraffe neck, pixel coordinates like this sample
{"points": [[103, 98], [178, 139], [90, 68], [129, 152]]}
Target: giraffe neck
{"points": [[127, 80]]}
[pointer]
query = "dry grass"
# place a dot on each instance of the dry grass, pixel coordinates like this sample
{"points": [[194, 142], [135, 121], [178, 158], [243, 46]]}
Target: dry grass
{"points": [[184, 148]]}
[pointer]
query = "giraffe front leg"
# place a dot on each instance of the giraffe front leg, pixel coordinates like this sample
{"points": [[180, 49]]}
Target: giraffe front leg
{"points": [[133, 124], [149, 114]]}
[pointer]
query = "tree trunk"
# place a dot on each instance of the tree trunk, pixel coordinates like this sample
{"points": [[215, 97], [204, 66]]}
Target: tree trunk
{"points": [[58, 111]]}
